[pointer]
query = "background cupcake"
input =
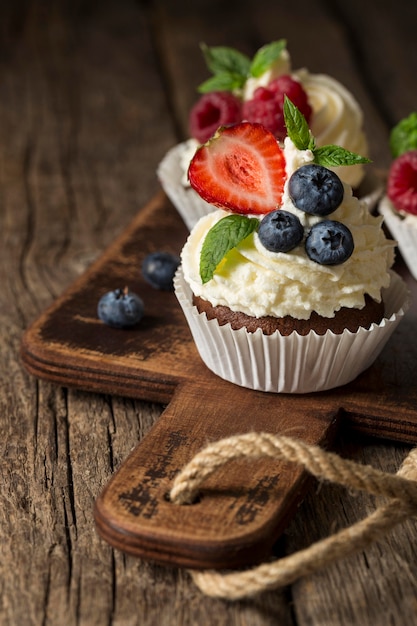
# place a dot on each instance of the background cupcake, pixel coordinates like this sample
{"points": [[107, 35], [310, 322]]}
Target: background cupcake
{"points": [[399, 205], [253, 90], [296, 249]]}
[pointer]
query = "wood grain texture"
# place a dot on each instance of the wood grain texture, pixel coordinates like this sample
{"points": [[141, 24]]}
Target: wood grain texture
{"points": [[92, 95], [241, 511]]}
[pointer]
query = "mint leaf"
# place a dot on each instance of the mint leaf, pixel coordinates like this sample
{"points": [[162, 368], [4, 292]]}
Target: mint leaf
{"points": [[335, 156], [403, 136], [221, 59], [223, 81], [297, 127], [265, 57], [225, 235]]}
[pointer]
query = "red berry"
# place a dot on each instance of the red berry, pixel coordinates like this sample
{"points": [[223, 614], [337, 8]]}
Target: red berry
{"points": [[214, 109], [265, 111], [242, 168], [402, 182], [267, 104]]}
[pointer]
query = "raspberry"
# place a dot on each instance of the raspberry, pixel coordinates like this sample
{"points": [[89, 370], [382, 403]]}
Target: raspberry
{"points": [[266, 106], [214, 109], [402, 182], [265, 111]]}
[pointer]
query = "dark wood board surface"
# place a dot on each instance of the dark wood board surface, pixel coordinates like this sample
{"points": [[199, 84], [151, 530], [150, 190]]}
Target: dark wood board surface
{"points": [[92, 95], [70, 346]]}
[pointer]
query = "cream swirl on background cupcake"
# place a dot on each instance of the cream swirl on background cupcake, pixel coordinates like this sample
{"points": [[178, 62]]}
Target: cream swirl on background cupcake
{"points": [[337, 119]]}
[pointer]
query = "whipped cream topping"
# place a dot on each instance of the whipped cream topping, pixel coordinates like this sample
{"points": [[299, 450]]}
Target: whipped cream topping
{"points": [[258, 282], [337, 119]]}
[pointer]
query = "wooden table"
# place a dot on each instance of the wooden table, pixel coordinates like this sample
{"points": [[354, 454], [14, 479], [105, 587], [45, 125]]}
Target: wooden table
{"points": [[92, 96]]}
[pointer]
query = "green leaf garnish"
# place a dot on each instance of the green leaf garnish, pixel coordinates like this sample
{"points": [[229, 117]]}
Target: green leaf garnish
{"points": [[222, 82], [225, 62], [297, 127], [265, 57], [231, 68], [225, 235], [300, 134], [335, 156], [403, 136]]}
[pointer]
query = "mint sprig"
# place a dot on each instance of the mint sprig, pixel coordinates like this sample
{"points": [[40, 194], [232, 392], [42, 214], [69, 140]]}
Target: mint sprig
{"points": [[231, 68], [403, 136], [300, 134], [297, 127], [223, 81], [266, 56], [335, 156], [225, 235]]}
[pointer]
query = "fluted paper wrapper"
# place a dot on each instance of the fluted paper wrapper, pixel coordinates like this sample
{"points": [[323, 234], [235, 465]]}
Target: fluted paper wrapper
{"points": [[191, 206], [294, 363], [403, 231]]}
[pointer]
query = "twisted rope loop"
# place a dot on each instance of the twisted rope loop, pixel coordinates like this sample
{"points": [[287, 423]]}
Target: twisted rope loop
{"points": [[401, 488]]}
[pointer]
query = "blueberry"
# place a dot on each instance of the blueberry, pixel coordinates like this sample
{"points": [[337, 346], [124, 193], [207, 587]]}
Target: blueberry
{"points": [[315, 190], [329, 243], [158, 269], [280, 231], [120, 308]]}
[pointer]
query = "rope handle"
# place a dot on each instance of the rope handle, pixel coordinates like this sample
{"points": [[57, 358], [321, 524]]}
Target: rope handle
{"points": [[401, 488]]}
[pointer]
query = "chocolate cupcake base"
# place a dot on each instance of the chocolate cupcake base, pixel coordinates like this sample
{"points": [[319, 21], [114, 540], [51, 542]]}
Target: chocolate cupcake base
{"points": [[345, 318], [292, 363]]}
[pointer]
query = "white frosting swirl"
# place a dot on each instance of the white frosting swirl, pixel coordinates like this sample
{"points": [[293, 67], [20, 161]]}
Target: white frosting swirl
{"points": [[337, 119], [257, 282]]}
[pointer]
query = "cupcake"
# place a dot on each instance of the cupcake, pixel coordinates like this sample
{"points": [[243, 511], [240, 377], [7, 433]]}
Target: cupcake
{"points": [[253, 90], [287, 286], [399, 204]]}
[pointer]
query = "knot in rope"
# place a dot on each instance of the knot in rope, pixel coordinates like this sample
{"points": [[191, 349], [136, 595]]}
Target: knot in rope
{"points": [[400, 488]]}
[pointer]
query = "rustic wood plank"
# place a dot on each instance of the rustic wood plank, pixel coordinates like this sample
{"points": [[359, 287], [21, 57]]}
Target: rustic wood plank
{"points": [[375, 586], [234, 522], [69, 345], [86, 115]]}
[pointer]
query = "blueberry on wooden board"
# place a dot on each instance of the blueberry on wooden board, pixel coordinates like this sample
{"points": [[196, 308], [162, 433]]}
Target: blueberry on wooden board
{"points": [[120, 308], [158, 269]]}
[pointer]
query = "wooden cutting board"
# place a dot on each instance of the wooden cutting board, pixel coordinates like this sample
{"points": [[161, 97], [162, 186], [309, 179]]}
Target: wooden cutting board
{"points": [[244, 507]]}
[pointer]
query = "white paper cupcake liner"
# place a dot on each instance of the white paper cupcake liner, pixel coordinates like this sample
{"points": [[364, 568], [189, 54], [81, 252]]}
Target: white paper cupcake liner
{"points": [[294, 363], [191, 206], [404, 230], [188, 203]]}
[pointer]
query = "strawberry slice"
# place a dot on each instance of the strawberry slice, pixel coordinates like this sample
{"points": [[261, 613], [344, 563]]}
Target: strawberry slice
{"points": [[241, 168]]}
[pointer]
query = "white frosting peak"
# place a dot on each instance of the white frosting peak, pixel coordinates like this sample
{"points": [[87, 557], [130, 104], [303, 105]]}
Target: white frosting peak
{"points": [[337, 119]]}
